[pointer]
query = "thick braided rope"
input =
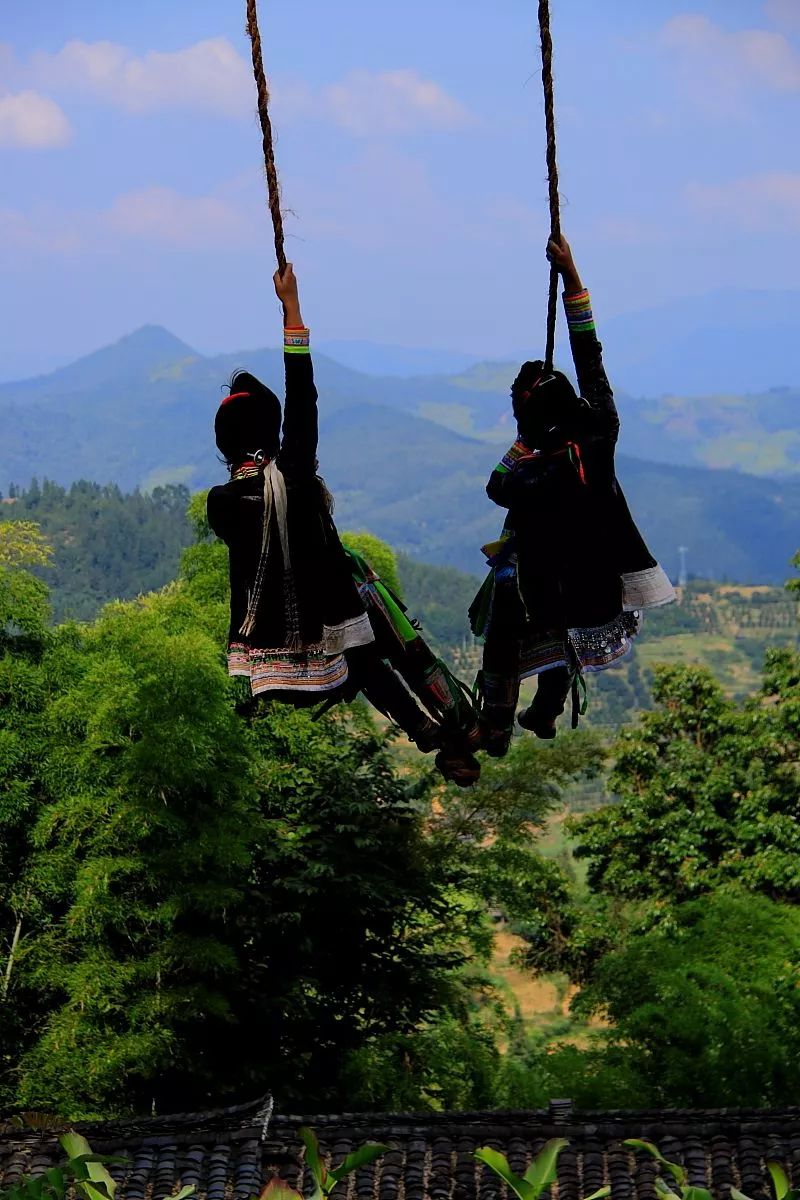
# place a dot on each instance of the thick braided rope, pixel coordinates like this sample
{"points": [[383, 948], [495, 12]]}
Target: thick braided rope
{"points": [[273, 186], [552, 171]]}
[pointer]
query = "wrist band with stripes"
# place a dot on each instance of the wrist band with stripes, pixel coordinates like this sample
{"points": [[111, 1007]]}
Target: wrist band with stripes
{"points": [[578, 307], [297, 341]]}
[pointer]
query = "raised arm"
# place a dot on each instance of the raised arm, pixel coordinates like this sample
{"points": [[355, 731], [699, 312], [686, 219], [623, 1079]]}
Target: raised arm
{"points": [[587, 353], [300, 419]]}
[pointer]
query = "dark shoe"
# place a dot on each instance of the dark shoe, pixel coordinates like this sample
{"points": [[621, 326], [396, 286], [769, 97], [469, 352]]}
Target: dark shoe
{"points": [[495, 741], [542, 727], [428, 737], [463, 770]]}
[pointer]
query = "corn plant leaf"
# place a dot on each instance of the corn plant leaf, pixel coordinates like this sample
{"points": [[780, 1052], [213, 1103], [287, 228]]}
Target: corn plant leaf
{"points": [[95, 1189], [665, 1190], [277, 1189], [75, 1145], [188, 1190], [542, 1171], [737, 1195], [57, 1180], [780, 1180], [314, 1158], [600, 1194], [498, 1163], [676, 1171], [358, 1158], [696, 1193], [97, 1184]]}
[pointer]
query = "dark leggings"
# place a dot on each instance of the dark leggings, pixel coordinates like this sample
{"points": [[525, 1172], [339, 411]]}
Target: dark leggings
{"points": [[552, 692], [383, 687], [501, 684]]}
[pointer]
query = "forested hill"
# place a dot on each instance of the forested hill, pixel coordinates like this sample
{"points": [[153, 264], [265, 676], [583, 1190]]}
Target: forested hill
{"points": [[107, 545], [408, 458], [112, 546]]}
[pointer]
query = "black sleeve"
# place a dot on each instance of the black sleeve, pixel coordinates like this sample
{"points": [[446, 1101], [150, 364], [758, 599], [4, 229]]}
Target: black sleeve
{"points": [[510, 488], [300, 416], [498, 489], [219, 505], [601, 417]]}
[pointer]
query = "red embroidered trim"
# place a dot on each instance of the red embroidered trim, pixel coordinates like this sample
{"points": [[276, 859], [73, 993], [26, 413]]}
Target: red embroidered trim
{"points": [[577, 461]]}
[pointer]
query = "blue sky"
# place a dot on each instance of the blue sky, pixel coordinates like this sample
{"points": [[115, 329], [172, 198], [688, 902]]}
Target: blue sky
{"points": [[411, 154]]}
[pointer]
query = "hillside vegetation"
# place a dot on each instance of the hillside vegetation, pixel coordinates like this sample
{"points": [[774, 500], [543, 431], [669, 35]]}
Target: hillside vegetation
{"points": [[108, 545]]}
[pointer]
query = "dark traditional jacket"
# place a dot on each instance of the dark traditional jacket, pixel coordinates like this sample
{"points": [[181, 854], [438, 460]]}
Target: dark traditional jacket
{"points": [[580, 557], [329, 612]]}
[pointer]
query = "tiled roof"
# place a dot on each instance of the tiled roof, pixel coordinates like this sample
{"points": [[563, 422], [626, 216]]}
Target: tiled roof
{"points": [[230, 1154]]}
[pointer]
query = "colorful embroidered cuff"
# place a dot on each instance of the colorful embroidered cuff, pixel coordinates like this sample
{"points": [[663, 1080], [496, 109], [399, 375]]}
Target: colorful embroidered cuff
{"points": [[578, 307], [512, 456], [296, 341]]}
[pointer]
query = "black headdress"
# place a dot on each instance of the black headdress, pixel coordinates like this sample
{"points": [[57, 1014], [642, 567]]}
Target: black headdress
{"points": [[248, 420], [545, 404]]}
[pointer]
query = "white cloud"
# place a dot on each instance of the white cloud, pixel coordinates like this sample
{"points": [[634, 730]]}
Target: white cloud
{"points": [[30, 121], [155, 216], [372, 104], [725, 62], [162, 215], [210, 76], [767, 203]]}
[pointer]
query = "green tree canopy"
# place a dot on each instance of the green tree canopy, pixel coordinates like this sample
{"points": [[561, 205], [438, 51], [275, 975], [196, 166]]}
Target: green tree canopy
{"points": [[142, 853], [209, 903], [105, 544], [379, 555], [22, 544], [707, 793], [704, 1009]]}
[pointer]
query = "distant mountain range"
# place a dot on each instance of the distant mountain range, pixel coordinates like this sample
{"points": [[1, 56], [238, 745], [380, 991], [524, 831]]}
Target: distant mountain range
{"points": [[408, 457], [722, 342]]}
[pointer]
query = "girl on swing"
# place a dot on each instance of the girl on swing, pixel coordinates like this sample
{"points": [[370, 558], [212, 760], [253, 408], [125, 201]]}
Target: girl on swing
{"points": [[308, 622], [571, 572]]}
